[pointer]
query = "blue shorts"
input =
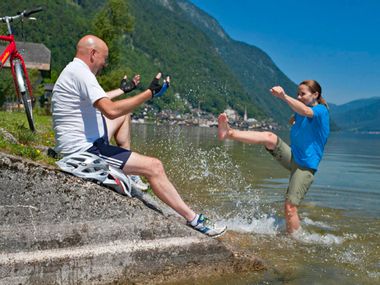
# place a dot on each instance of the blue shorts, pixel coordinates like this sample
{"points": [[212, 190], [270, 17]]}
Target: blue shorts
{"points": [[113, 155]]}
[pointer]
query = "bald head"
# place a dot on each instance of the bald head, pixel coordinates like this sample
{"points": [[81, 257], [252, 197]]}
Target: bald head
{"points": [[93, 51], [89, 42]]}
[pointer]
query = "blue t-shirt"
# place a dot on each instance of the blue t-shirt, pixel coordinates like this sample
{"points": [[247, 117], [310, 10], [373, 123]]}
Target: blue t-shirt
{"points": [[309, 136]]}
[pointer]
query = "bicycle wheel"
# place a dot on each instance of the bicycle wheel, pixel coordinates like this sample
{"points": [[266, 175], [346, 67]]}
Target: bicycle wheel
{"points": [[25, 94]]}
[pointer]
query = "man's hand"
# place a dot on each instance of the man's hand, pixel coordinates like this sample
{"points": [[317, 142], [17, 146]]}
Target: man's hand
{"points": [[157, 89], [278, 92], [128, 86]]}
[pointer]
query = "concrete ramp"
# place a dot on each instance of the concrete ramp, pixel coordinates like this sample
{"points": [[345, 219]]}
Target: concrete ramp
{"points": [[59, 229]]}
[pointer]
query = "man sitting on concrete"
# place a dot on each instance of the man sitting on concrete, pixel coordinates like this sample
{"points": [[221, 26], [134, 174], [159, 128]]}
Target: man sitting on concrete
{"points": [[80, 107]]}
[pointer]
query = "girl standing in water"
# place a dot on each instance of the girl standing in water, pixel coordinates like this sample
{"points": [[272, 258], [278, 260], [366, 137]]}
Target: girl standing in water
{"points": [[309, 133]]}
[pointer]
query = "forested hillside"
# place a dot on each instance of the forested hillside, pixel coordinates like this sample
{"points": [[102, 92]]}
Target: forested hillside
{"points": [[58, 27], [208, 67], [253, 68]]}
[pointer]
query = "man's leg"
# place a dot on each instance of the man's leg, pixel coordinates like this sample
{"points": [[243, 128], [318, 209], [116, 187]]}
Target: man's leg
{"points": [[268, 139], [120, 129], [153, 170]]}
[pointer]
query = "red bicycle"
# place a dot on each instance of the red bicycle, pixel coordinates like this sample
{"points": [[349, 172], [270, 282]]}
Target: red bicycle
{"points": [[17, 64]]}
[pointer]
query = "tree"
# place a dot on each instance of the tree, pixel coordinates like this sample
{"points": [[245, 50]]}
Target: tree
{"points": [[112, 24]]}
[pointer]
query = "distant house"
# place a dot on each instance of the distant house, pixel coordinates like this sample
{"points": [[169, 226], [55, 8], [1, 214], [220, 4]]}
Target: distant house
{"points": [[251, 121], [36, 56], [232, 114]]}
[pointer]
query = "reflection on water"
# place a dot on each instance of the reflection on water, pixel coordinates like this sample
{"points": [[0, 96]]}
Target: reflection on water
{"points": [[243, 187]]}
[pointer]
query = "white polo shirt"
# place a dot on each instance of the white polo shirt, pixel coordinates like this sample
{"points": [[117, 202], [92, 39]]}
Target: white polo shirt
{"points": [[76, 122]]}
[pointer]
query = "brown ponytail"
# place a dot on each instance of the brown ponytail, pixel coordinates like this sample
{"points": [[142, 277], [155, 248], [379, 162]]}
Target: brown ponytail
{"points": [[292, 120], [322, 101]]}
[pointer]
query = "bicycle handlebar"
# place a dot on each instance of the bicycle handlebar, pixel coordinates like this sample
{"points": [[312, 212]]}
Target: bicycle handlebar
{"points": [[23, 14], [35, 10]]}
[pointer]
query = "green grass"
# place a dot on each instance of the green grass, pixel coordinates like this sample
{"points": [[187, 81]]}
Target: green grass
{"points": [[30, 145]]}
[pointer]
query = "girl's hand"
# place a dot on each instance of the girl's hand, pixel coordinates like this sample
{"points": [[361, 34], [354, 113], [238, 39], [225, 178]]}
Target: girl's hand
{"points": [[278, 92]]}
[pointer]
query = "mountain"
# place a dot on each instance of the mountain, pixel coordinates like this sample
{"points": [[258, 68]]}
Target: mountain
{"points": [[208, 67], [253, 68], [358, 115], [176, 45]]}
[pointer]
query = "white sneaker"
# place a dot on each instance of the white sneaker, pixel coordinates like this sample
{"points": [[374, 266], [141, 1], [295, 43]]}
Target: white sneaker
{"points": [[138, 183], [207, 230]]}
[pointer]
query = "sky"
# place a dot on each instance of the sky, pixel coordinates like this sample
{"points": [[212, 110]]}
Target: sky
{"points": [[335, 42]]}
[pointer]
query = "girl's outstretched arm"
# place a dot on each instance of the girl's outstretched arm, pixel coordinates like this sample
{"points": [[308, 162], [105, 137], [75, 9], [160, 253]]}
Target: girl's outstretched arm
{"points": [[294, 104]]}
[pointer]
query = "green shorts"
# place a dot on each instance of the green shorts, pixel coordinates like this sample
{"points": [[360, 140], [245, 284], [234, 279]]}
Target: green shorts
{"points": [[300, 179]]}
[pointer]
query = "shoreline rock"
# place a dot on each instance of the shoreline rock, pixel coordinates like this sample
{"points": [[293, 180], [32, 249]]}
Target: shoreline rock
{"points": [[60, 229]]}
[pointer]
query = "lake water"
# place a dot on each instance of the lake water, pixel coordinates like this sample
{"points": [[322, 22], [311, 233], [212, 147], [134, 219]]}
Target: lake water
{"points": [[242, 187]]}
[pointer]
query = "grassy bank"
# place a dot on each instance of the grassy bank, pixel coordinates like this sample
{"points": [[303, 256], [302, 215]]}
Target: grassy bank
{"points": [[28, 144]]}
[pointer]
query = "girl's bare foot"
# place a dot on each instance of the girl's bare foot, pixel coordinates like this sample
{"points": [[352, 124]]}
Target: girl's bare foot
{"points": [[223, 127]]}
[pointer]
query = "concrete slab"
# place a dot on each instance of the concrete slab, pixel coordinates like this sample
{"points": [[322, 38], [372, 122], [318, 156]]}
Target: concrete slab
{"points": [[59, 229]]}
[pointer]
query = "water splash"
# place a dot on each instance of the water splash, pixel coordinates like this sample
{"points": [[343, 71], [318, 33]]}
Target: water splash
{"points": [[350, 256], [214, 176], [310, 222], [374, 274], [210, 176], [265, 224], [313, 238]]}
